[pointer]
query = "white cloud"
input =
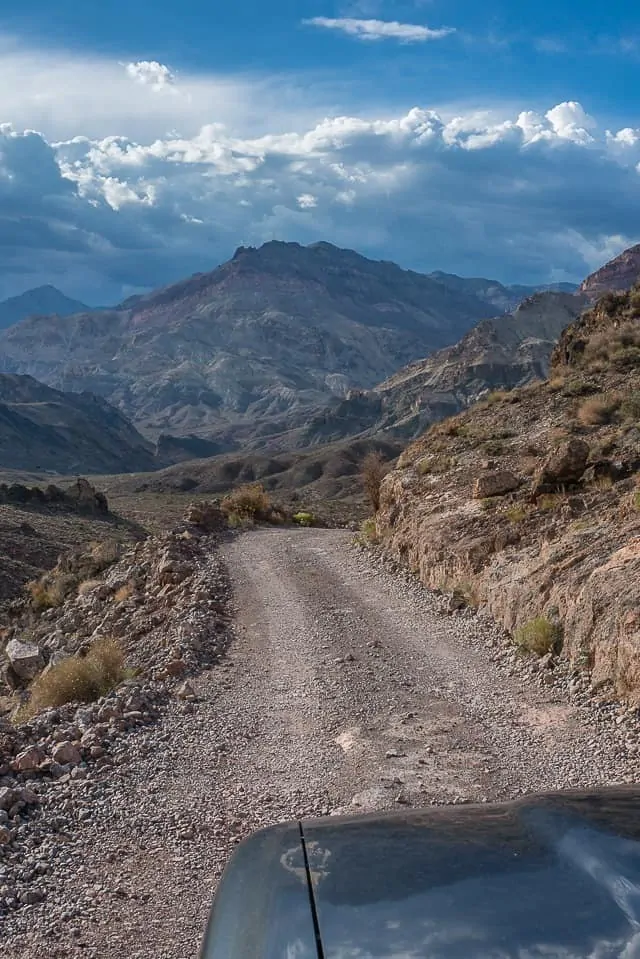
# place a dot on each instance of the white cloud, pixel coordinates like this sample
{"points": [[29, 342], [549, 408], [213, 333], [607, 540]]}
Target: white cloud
{"points": [[122, 187], [380, 29], [151, 73]]}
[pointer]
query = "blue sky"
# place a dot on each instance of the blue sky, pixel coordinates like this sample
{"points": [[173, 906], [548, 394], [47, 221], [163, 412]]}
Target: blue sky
{"points": [[146, 140]]}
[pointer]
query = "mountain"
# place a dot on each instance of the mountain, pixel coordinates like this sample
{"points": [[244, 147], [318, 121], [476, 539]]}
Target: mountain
{"points": [[45, 429], [618, 274], [499, 353], [43, 301], [249, 350], [502, 298]]}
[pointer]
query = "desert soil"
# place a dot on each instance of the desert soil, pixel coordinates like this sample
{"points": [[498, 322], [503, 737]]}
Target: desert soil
{"points": [[346, 687]]}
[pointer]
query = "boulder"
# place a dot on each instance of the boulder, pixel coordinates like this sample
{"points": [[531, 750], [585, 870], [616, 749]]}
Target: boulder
{"points": [[65, 753], [29, 759], [7, 797], [25, 659], [564, 466], [495, 483]]}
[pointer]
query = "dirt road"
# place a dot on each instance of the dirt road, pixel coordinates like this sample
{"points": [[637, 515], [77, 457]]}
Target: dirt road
{"points": [[345, 689]]}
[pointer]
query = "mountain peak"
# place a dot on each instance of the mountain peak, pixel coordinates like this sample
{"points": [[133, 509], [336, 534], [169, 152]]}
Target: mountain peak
{"points": [[40, 301]]}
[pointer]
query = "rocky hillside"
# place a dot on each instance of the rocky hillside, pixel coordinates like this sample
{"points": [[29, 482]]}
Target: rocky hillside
{"points": [[619, 274], [502, 298], [45, 429], [499, 353], [41, 301], [251, 348], [528, 504], [508, 351]]}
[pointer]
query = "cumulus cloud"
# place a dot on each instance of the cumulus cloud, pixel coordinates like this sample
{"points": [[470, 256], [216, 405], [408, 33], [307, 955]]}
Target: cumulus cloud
{"points": [[106, 208], [380, 29], [151, 73]]}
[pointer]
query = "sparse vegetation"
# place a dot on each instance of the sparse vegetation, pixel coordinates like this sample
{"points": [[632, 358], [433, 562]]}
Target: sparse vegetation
{"points": [[79, 678], [88, 585], [539, 636], [247, 504], [368, 535], [517, 513], [373, 472], [47, 593], [436, 464], [124, 593], [550, 502], [303, 518], [598, 410]]}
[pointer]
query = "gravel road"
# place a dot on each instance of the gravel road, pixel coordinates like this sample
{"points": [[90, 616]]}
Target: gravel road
{"points": [[346, 688]]}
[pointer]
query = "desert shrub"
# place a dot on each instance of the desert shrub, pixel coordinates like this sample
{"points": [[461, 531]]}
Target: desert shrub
{"points": [[80, 678], [550, 501], [539, 636], [248, 502], [49, 593], [368, 535], [626, 358], [123, 593], [498, 396], [239, 521], [373, 472], [303, 519], [630, 406], [465, 592], [516, 514], [494, 448], [105, 553], [598, 410], [576, 387]]}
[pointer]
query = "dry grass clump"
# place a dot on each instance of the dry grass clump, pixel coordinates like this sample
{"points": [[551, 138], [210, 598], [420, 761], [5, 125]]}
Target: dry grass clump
{"points": [[49, 593], [539, 636], [80, 679], [123, 593], [436, 463], [247, 504], [373, 472], [598, 410], [619, 348], [368, 535]]}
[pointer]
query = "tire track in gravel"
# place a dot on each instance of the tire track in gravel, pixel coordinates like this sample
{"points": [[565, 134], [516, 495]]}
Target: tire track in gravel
{"points": [[345, 688]]}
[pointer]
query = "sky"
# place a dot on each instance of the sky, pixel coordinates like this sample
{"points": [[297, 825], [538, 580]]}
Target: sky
{"points": [[145, 140]]}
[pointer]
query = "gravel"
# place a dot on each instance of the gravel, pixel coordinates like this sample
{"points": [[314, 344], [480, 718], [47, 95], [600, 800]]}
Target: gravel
{"points": [[347, 687]]}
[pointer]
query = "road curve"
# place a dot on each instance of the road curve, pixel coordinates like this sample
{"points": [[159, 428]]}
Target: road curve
{"points": [[345, 688]]}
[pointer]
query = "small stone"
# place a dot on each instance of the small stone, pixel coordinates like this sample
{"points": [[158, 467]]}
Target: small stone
{"points": [[186, 692], [29, 759]]}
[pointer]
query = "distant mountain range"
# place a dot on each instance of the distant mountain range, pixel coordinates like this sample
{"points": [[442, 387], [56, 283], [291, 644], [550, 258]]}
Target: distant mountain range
{"points": [[42, 301], [252, 349], [281, 348], [499, 353]]}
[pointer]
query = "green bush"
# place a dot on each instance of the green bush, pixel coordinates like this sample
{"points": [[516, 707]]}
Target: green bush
{"points": [[368, 535], [539, 636], [247, 502], [304, 519]]}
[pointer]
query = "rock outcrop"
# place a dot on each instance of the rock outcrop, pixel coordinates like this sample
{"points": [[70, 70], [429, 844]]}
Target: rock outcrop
{"points": [[565, 545]]}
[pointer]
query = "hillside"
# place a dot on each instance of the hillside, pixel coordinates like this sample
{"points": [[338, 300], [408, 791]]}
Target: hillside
{"points": [[251, 348], [41, 301], [503, 352], [502, 298], [528, 504], [46, 429]]}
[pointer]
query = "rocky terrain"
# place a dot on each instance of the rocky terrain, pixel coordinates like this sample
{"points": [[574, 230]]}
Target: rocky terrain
{"points": [[41, 301], [528, 504], [500, 353], [44, 429], [39, 523], [342, 685], [245, 352]]}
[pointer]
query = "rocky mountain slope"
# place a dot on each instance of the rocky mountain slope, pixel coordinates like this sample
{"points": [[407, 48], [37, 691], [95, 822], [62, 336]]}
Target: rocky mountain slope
{"points": [[528, 504], [500, 353], [46, 429], [251, 348], [502, 298], [41, 301]]}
